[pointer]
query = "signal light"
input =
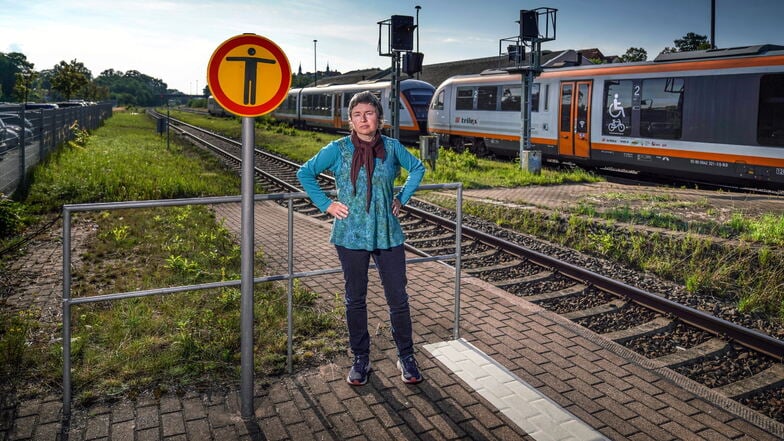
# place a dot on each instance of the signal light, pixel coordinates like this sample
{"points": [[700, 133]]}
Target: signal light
{"points": [[529, 24], [412, 62], [516, 53], [403, 32]]}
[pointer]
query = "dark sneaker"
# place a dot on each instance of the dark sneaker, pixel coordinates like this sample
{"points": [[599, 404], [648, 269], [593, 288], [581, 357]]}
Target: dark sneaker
{"points": [[410, 370], [358, 375]]}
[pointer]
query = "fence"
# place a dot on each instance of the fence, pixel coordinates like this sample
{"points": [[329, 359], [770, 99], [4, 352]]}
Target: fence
{"points": [[44, 130], [290, 275]]}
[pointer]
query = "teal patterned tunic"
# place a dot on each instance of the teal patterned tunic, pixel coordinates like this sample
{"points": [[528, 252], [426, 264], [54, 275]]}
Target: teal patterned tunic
{"points": [[369, 230]]}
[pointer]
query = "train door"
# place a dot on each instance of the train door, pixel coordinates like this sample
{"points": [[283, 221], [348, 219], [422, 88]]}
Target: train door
{"points": [[337, 106], [574, 124]]}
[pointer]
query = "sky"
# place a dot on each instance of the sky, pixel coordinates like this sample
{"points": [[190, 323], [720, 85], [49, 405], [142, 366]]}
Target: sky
{"points": [[172, 40]]}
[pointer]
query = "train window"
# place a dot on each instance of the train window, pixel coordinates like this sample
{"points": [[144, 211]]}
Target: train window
{"points": [[465, 98], [661, 108], [566, 108], [487, 98], [438, 101], [617, 113], [510, 98], [535, 97], [582, 108], [288, 105], [716, 109], [325, 104], [770, 124], [546, 97]]}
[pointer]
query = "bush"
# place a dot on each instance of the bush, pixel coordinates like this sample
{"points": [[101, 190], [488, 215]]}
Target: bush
{"points": [[10, 218]]}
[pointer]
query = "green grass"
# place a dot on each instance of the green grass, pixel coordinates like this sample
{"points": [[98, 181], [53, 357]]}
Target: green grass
{"points": [[751, 274], [158, 342], [125, 160], [476, 172]]}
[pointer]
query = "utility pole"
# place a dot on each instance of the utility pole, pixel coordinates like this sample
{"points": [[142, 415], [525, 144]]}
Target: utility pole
{"points": [[713, 24], [417, 7], [315, 65]]}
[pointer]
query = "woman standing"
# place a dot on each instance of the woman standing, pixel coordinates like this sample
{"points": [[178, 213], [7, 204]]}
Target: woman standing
{"points": [[365, 165]]}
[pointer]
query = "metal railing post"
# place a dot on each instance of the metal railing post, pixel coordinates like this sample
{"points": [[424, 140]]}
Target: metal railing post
{"points": [[290, 299], [247, 268], [458, 252], [66, 313]]}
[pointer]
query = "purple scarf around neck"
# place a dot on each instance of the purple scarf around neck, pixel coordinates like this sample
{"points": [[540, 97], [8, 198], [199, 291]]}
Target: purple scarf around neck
{"points": [[365, 153]]}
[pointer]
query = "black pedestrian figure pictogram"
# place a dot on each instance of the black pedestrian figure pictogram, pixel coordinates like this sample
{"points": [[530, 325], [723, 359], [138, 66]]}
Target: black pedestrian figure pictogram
{"points": [[249, 89]]}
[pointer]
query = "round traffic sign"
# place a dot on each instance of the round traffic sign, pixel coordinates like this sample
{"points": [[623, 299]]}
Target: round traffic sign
{"points": [[249, 75]]}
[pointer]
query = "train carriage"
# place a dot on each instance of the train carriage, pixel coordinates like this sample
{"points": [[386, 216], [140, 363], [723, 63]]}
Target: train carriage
{"points": [[326, 106], [716, 114], [213, 108]]}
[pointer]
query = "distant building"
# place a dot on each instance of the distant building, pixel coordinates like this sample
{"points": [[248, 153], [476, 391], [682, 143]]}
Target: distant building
{"points": [[596, 54], [435, 74]]}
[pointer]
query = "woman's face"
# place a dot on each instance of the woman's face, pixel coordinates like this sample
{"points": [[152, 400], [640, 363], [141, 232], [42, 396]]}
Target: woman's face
{"points": [[364, 119]]}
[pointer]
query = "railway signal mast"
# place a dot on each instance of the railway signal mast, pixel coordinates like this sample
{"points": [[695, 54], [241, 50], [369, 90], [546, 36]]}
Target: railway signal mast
{"points": [[400, 41], [536, 26]]}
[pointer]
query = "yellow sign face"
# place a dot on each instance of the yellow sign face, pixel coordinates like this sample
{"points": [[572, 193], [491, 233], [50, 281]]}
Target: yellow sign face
{"points": [[249, 75]]}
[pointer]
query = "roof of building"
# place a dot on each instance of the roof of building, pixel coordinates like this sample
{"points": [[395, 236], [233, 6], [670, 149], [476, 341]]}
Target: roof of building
{"points": [[436, 73]]}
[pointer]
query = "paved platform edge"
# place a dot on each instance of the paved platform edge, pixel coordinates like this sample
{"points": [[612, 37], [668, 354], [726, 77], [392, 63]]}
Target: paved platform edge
{"points": [[718, 399]]}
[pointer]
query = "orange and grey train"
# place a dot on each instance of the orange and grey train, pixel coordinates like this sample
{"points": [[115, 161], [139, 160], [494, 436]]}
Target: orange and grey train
{"points": [[325, 107], [716, 115]]}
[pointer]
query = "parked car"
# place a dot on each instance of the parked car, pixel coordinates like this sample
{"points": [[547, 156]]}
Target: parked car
{"points": [[14, 122], [8, 138], [62, 104], [30, 106]]}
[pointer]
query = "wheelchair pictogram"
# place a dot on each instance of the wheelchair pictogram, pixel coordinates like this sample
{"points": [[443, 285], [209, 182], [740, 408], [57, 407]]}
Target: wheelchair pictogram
{"points": [[616, 109]]}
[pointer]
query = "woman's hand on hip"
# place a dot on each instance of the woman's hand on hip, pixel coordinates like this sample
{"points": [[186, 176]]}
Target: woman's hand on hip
{"points": [[396, 204], [338, 210]]}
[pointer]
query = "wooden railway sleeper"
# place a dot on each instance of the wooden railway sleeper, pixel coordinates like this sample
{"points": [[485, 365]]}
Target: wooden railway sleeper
{"points": [[770, 377], [540, 276], [501, 266], [690, 355], [611, 306], [657, 325], [566, 292]]}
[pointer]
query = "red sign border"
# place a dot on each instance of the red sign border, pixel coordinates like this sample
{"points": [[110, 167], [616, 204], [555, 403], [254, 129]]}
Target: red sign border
{"points": [[217, 91]]}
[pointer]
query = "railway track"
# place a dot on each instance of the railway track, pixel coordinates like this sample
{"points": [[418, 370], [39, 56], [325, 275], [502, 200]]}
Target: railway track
{"points": [[740, 363]]}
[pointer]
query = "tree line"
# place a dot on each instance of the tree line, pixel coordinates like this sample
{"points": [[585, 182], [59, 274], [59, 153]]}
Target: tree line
{"points": [[20, 82], [690, 42]]}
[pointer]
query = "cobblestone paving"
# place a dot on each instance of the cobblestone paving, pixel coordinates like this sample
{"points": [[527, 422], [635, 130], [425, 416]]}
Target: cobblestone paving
{"points": [[618, 395]]}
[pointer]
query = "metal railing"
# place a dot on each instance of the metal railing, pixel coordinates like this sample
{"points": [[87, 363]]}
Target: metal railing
{"points": [[45, 130], [290, 275]]}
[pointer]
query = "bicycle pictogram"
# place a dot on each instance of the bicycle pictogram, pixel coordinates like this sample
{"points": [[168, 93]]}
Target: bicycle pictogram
{"points": [[616, 126]]}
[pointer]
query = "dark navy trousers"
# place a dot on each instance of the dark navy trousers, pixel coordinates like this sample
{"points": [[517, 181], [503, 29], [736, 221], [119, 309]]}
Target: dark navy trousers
{"points": [[391, 265]]}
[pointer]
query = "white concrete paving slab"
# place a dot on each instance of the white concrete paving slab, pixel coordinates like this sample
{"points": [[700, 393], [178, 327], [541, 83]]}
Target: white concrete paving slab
{"points": [[537, 415]]}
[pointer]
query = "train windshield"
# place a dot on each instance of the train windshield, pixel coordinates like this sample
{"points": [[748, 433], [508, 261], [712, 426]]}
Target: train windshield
{"points": [[420, 100], [770, 126]]}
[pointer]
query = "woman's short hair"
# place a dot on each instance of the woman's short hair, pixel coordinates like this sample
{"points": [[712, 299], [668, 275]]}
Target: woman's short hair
{"points": [[366, 97]]}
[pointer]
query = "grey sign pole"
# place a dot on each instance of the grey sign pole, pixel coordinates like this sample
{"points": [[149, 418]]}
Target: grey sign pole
{"points": [[246, 276]]}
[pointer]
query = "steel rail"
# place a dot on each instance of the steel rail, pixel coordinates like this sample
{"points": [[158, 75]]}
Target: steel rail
{"points": [[750, 338]]}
